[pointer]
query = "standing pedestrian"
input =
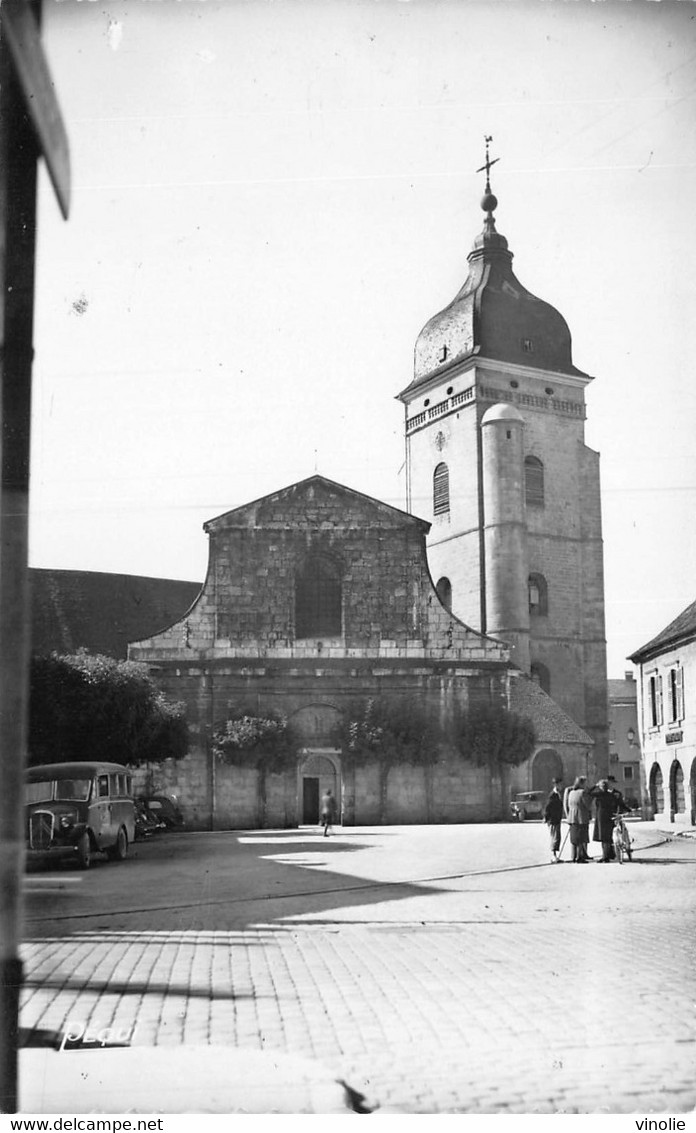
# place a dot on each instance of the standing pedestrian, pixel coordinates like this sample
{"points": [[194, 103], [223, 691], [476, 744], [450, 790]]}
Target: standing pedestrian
{"points": [[611, 780], [607, 803], [328, 811], [553, 814], [578, 814]]}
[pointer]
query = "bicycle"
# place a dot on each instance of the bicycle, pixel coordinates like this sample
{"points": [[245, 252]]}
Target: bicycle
{"points": [[621, 840]]}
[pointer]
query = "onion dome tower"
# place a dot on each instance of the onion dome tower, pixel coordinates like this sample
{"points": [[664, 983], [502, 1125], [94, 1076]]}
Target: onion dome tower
{"points": [[496, 460]]}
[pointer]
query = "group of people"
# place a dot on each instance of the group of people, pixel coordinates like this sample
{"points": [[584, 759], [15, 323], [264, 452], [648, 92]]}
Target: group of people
{"points": [[575, 807]]}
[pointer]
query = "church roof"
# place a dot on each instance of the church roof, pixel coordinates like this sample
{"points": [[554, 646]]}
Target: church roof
{"points": [[268, 510], [682, 629], [101, 612], [551, 724], [493, 316]]}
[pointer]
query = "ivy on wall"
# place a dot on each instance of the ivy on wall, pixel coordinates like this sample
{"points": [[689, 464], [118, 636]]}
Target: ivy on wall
{"points": [[393, 731], [490, 736], [247, 739]]}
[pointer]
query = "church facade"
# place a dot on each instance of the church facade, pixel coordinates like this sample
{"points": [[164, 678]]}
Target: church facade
{"points": [[497, 462], [318, 598]]}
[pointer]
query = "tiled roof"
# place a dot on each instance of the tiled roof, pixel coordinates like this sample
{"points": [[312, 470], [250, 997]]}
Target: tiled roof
{"points": [[683, 626], [102, 612], [551, 723]]}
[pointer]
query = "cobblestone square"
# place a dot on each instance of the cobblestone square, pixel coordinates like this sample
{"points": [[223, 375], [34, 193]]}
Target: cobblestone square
{"points": [[433, 969]]}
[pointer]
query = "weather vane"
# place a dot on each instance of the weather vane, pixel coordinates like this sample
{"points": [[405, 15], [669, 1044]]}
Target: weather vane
{"points": [[488, 139]]}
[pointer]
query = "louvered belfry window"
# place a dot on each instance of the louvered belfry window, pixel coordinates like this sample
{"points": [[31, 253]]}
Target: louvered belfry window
{"points": [[441, 495], [534, 481]]}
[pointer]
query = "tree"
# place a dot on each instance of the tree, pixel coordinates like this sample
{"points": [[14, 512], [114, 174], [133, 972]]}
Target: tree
{"points": [[390, 732], [267, 743], [490, 736], [89, 706]]}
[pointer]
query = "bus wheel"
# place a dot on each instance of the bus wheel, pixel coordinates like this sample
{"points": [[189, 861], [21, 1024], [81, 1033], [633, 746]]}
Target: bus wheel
{"points": [[84, 852], [119, 852]]}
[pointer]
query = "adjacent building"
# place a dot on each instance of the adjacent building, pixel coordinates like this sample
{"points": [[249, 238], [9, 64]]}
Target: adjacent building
{"points": [[101, 612], [667, 714], [625, 759]]}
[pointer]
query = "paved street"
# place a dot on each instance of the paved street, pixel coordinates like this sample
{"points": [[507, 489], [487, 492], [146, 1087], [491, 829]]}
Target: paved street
{"points": [[434, 969]]}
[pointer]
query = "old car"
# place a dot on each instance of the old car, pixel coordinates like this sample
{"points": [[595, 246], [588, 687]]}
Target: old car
{"points": [[74, 810], [528, 804], [164, 808]]}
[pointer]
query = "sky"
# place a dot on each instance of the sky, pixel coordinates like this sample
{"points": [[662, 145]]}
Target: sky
{"points": [[269, 200]]}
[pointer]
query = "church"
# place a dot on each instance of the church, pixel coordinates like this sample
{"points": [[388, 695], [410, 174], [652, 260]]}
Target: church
{"points": [[486, 591]]}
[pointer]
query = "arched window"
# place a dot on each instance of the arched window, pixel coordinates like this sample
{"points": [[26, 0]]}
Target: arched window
{"points": [[441, 497], [444, 592], [533, 481], [318, 599], [657, 794], [538, 595], [541, 675], [676, 788]]}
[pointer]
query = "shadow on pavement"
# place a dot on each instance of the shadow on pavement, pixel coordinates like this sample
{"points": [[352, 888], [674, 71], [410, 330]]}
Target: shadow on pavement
{"points": [[140, 987], [220, 883]]}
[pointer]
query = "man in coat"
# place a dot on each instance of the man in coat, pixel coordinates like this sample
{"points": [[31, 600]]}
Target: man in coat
{"points": [[607, 802], [578, 813], [553, 813]]}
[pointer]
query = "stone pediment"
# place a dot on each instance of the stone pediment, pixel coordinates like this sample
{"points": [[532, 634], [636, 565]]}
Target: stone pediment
{"points": [[314, 502]]}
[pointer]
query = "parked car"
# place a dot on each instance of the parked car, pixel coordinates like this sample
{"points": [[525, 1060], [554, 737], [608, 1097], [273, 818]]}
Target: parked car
{"points": [[164, 808], [74, 810], [146, 824], [528, 804]]}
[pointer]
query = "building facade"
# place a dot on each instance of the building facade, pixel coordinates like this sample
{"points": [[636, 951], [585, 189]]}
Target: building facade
{"points": [[625, 758], [497, 462], [667, 713], [318, 598]]}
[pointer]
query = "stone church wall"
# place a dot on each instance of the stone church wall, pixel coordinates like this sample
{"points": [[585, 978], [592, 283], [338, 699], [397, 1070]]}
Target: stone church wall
{"points": [[459, 793]]}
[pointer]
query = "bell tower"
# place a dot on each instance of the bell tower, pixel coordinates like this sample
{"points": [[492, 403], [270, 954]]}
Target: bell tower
{"points": [[496, 460]]}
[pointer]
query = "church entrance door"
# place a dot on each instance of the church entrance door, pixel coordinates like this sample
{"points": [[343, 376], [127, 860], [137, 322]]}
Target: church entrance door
{"points": [[310, 800], [319, 772]]}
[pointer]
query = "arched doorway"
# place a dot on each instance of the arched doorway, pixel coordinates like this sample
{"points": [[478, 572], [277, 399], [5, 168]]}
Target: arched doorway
{"points": [[319, 772], [677, 801], [656, 788], [546, 767], [319, 766]]}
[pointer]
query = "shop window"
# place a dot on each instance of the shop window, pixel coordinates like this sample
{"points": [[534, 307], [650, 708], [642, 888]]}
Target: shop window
{"points": [[657, 793], [676, 788]]}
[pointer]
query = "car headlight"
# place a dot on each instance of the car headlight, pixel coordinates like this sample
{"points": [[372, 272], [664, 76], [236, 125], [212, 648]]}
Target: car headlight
{"points": [[66, 821]]}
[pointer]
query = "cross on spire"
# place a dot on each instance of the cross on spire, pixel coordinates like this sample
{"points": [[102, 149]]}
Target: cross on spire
{"points": [[488, 138]]}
